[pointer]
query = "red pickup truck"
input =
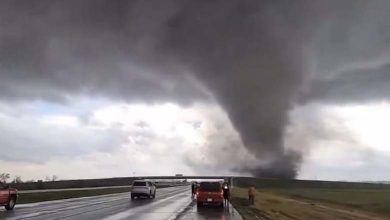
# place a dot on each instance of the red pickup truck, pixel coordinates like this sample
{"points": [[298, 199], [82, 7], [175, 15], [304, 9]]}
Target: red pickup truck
{"points": [[8, 196]]}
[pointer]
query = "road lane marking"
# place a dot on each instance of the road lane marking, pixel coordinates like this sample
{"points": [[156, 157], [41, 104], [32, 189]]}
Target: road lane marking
{"points": [[132, 211], [70, 189], [182, 211], [53, 202], [106, 207], [65, 207], [31, 215], [100, 208], [83, 202]]}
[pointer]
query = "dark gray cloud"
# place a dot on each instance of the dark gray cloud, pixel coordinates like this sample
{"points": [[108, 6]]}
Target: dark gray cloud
{"points": [[51, 49], [237, 52], [353, 86], [350, 54], [255, 57]]}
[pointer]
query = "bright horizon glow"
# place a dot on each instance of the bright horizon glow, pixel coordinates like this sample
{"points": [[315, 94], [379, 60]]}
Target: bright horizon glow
{"points": [[353, 143], [165, 134], [172, 136], [370, 123]]}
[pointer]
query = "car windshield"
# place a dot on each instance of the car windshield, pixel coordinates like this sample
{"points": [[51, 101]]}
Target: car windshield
{"points": [[210, 187], [139, 184]]}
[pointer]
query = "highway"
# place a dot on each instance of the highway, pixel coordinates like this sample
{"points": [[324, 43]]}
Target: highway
{"points": [[173, 203], [70, 189]]}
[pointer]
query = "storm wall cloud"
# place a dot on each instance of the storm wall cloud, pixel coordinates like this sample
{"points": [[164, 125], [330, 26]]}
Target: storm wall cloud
{"points": [[257, 59]]}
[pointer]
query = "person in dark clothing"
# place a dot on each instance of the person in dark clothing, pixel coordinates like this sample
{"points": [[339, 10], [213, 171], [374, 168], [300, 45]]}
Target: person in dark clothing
{"points": [[193, 189], [226, 193]]}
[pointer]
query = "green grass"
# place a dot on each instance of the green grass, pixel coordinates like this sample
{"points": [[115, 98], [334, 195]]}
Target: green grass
{"points": [[47, 196], [373, 200]]}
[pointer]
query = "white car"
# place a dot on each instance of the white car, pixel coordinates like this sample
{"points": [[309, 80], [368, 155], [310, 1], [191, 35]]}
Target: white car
{"points": [[143, 188]]}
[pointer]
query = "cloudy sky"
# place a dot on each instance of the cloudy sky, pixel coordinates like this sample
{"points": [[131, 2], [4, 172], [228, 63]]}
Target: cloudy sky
{"points": [[104, 89]]}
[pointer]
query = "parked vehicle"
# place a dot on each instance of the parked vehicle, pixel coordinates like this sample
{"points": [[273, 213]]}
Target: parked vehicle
{"points": [[8, 196], [143, 188], [209, 193]]}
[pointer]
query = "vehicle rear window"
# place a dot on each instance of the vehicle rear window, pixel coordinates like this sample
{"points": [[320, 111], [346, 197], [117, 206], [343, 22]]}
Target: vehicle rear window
{"points": [[139, 184], [210, 187]]}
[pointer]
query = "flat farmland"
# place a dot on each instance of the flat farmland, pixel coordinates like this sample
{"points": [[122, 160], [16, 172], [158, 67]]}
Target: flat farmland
{"points": [[314, 203]]}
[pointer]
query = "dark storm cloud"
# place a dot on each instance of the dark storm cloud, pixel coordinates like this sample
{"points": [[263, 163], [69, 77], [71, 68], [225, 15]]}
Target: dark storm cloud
{"points": [[361, 85], [350, 54], [248, 53], [50, 49], [251, 55]]}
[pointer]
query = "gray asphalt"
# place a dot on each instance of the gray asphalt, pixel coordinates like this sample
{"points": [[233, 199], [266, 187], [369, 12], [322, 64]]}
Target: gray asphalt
{"points": [[174, 203], [70, 189]]}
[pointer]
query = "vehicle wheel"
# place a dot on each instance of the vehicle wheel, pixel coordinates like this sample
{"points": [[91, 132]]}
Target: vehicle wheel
{"points": [[221, 205], [132, 197], [11, 204], [199, 204]]}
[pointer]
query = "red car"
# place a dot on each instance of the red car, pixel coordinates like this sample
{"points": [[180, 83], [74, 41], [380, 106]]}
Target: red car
{"points": [[209, 193], [8, 196]]}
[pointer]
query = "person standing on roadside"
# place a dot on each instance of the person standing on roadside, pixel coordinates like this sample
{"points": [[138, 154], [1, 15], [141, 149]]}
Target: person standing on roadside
{"points": [[193, 189], [226, 193], [251, 195]]}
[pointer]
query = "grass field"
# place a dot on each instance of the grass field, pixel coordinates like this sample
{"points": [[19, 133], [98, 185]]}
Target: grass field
{"points": [[47, 196], [305, 204], [372, 200]]}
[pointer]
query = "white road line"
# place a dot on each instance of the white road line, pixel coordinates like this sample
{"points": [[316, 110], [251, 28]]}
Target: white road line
{"points": [[84, 202], [45, 212], [180, 211], [78, 198], [53, 202], [31, 215], [70, 189], [132, 211], [75, 214]]}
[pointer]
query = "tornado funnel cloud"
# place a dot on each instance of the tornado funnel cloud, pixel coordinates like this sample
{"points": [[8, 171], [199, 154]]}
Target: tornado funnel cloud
{"points": [[250, 58]]}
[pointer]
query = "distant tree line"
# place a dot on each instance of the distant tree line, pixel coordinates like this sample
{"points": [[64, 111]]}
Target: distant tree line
{"points": [[5, 177]]}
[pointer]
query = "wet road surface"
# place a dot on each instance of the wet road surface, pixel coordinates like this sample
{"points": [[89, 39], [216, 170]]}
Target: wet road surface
{"points": [[174, 203]]}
